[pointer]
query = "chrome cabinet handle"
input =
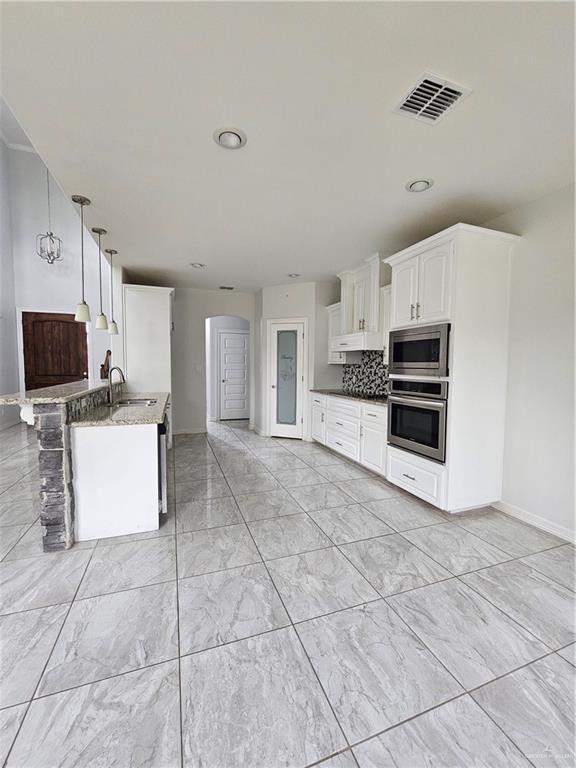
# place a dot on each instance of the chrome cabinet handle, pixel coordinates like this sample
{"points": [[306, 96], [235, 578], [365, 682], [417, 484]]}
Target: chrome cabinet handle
{"points": [[322, 419], [418, 313], [273, 386], [411, 311], [337, 443], [339, 423], [408, 476], [361, 431], [343, 343]]}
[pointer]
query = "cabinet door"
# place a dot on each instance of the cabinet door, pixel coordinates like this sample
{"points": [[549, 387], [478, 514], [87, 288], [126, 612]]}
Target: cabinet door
{"points": [[385, 301], [373, 448], [318, 429], [358, 306], [404, 293], [335, 329], [434, 284]]}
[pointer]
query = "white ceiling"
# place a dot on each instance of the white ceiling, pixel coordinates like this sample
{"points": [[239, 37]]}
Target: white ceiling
{"points": [[121, 100]]}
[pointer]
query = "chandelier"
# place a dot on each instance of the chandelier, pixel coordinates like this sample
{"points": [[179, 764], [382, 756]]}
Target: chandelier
{"points": [[48, 246]]}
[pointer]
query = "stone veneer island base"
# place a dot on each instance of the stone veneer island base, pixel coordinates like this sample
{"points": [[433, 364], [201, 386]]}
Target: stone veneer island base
{"points": [[54, 409]]}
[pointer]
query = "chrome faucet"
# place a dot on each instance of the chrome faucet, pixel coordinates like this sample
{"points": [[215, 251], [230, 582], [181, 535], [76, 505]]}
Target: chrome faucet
{"points": [[110, 390]]}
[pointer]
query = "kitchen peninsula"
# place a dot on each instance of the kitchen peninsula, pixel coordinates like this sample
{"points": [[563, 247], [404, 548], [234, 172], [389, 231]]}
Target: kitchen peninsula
{"points": [[69, 456]]}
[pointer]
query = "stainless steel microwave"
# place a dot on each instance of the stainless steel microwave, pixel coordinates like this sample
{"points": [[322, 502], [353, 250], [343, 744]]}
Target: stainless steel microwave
{"points": [[419, 351]]}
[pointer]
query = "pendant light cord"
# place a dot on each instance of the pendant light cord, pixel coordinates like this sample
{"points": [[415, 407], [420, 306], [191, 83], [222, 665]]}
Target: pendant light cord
{"points": [[49, 212], [100, 269], [82, 245], [111, 290]]}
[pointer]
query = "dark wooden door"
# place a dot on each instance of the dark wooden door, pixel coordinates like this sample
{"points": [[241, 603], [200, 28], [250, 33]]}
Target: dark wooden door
{"points": [[55, 349]]}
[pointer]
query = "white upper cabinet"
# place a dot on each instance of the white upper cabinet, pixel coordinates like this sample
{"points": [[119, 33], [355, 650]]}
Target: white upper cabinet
{"points": [[385, 308], [434, 284], [404, 293], [334, 329], [360, 322], [421, 286]]}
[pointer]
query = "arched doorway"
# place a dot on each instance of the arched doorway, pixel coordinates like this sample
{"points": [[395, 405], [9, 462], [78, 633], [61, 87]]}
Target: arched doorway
{"points": [[227, 368]]}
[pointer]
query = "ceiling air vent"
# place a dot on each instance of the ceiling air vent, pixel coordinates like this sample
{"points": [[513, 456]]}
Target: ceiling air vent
{"points": [[226, 287], [430, 99]]}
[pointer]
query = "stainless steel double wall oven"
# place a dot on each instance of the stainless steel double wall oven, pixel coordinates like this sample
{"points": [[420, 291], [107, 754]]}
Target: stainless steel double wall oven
{"points": [[417, 406]]}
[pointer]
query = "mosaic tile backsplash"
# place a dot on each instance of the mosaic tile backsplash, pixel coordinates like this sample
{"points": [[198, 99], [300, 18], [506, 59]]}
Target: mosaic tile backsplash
{"points": [[368, 377]]}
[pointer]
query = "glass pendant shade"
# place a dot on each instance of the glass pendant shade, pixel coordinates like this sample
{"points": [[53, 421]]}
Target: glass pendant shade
{"points": [[112, 327], [82, 313], [82, 310], [101, 320]]}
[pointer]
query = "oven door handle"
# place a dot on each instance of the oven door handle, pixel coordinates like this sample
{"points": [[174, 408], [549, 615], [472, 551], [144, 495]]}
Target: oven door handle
{"points": [[439, 405]]}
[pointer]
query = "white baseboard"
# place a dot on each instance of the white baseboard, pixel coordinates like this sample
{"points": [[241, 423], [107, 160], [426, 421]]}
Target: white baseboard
{"points": [[538, 522]]}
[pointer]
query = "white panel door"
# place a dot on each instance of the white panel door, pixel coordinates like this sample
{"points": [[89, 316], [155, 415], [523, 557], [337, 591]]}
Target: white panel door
{"points": [[404, 293], [287, 379], [434, 284], [234, 362]]}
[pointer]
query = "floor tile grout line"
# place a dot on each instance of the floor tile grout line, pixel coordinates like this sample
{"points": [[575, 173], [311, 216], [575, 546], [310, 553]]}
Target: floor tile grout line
{"points": [[457, 576], [501, 729], [178, 637], [511, 618], [49, 656], [3, 560], [125, 672], [299, 639]]}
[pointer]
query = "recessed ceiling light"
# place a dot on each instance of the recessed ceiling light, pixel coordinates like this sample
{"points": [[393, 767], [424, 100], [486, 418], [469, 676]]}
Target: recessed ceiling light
{"points": [[197, 265], [294, 274], [230, 138], [419, 185]]}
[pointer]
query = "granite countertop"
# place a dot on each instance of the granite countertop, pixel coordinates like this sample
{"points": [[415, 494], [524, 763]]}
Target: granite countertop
{"points": [[341, 393], [122, 416], [61, 393]]}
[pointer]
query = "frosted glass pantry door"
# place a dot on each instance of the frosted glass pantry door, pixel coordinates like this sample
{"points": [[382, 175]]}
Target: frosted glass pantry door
{"points": [[286, 376]]}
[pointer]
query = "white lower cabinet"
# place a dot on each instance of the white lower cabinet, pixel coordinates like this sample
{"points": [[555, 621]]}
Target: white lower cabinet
{"points": [[356, 430], [318, 429], [422, 477], [373, 448]]}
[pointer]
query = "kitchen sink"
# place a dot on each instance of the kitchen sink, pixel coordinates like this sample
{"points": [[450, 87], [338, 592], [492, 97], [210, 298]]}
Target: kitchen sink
{"points": [[142, 401]]}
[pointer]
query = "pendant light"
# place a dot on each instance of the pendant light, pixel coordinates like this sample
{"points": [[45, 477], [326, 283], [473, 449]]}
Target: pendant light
{"points": [[48, 246], [101, 321], [82, 310], [112, 327]]}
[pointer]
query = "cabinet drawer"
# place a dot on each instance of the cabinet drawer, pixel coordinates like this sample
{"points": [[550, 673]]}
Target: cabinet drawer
{"points": [[319, 400], [422, 478], [374, 415], [343, 445], [348, 342], [343, 407], [343, 426]]}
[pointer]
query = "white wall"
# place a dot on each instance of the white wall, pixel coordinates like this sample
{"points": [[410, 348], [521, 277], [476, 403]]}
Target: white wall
{"points": [[42, 287], [191, 308], [213, 325], [296, 300], [325, 375], [539, 446], [8, 350]]}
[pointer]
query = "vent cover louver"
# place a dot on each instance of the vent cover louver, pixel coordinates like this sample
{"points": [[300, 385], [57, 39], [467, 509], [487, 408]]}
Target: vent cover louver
{"points": [[430, 99]]}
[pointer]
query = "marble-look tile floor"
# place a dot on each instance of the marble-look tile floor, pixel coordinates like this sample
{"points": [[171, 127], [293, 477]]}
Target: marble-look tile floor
{"points": [[292, 610]]}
